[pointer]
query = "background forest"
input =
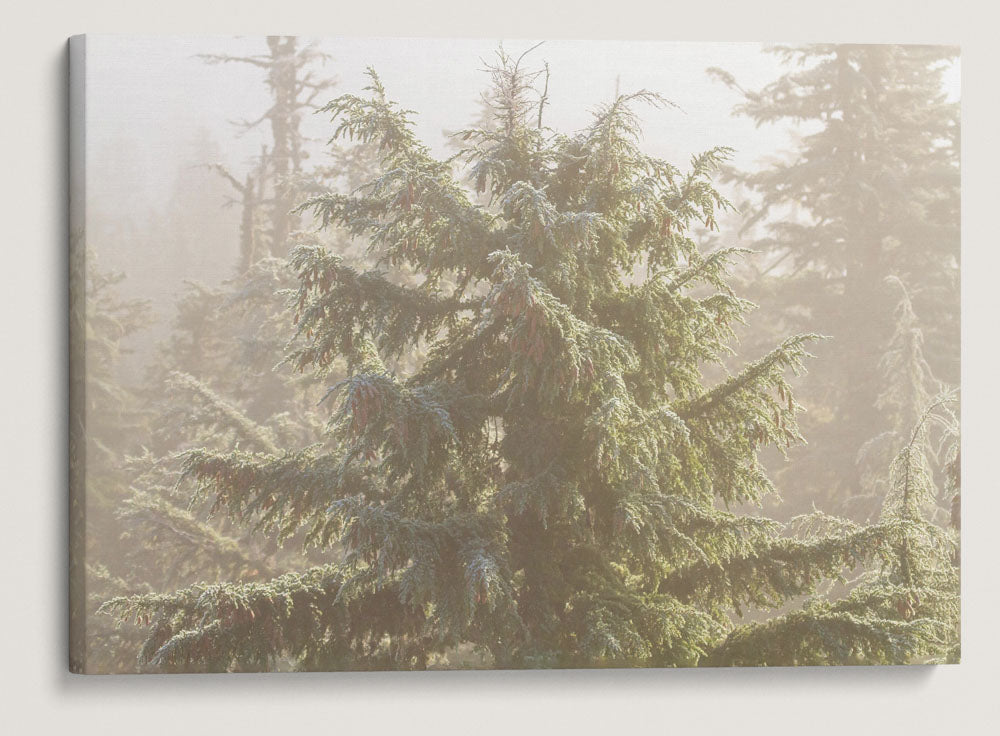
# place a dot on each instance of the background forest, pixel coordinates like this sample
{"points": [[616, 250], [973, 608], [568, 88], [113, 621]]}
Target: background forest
{"points": [[540, 387]]}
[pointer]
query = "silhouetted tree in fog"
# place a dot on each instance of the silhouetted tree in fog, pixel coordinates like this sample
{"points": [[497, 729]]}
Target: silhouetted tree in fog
{"points": [[862, 216]]}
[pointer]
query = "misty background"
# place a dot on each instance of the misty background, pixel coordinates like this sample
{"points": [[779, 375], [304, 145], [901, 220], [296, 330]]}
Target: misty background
{"points": [[157, 115]]}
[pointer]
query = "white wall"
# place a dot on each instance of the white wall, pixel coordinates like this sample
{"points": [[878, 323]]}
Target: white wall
{"points": [[38, 695]]}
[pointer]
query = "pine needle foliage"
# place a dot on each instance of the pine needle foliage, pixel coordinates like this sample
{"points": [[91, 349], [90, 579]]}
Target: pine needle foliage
{"points": [[906, 606], [553, 484]]}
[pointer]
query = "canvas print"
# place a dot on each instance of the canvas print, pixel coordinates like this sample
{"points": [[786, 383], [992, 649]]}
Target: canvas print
{"points": [[406, 354]]}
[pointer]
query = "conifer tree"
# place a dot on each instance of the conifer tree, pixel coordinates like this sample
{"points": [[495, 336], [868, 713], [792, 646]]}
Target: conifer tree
{"points": [[868, 201], [907, 386], [550, 483], [914, 583], [111, 421]]}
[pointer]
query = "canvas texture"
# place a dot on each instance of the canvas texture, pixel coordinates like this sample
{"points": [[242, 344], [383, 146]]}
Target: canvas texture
{"points": [[408, 354]]}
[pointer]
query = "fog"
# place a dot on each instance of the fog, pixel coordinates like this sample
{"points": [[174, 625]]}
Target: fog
{"points": [[567, 352], [156, 111]]}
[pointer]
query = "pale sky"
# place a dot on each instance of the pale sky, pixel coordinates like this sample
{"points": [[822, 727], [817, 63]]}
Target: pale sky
{"points": [[150, 98]]}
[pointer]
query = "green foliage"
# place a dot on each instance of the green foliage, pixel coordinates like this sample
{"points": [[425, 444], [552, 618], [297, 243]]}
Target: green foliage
{"points": [[906, 607]]}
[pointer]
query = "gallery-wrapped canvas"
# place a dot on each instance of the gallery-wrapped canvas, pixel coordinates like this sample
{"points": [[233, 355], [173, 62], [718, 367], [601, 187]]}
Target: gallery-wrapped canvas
{"points": [[410, 354]]}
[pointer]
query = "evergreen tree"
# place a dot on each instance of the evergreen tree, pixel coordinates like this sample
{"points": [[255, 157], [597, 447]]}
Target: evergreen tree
{"points": [[112, 420], [549, 484], [914, 585], [869, 201]]}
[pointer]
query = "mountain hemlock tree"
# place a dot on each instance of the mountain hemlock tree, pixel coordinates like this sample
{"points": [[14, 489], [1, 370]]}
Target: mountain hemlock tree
{"points": [[908, 388], [549, 484], [916, 579], [869, 199]]}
